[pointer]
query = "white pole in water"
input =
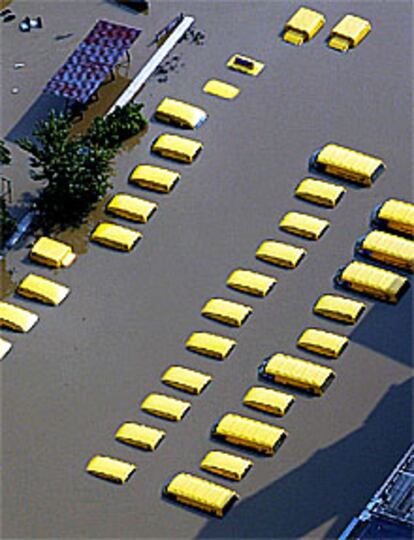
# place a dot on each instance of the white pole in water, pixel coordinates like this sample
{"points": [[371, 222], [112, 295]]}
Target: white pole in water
{"points": [[152, 64]]}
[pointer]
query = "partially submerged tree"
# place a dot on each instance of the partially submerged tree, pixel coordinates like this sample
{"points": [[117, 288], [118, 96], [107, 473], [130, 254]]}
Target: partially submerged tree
{"points": [[5, 157], [7, 222]]}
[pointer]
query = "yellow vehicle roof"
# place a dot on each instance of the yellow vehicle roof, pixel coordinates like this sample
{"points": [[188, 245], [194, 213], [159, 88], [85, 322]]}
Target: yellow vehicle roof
{"points": [[5, 347], [17, 318], [398, 215], [166, 407], [303, 26], [339, 308], [348, 33], [226, 311], [254, 434], [224, 464], [52, 252], [245, 64], [221, 89], [199, 493], [115, 236], [110, 468], [348, 164], [131, 207], [186, 379], [140, 435], [280, 253], [320, 192], [268, 400], [251, 282], [293, 371], [154, 178], [322, 342], [304, 225], [208, 344], [180, 113], [389, 248], [177, 147], [42, 289]]}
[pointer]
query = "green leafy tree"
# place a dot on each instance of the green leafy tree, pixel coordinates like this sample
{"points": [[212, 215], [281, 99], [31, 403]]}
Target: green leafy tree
{"points": [[7, 222], [5, 157]]}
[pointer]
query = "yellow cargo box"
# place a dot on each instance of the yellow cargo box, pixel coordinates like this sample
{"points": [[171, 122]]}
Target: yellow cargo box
{"points": [[17, 318], [245, 64], [224, 464], [372, 281], [179, 113], [250, 282], [212, 345], [339, 308], [387, 248], [176, 147], [202, 494], [115, 236], [322, 342], [166, 407], [292, 371], [347, 164], [303, 26], [253, 434], [52, 253], [268, 400], [304, 225], [131, 207], [221, 89], [140, 435], [154, 178], [43, 290], [348, 33], [280, 253], [110, 468], [320, 192], [226, 311], [395, 215], [5, 347], [185, 379]]}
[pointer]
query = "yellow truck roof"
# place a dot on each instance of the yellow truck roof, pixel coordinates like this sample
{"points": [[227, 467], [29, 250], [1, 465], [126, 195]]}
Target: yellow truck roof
{"points": [[250, 282], [180, 113], [226, 311], [186, 379], [339, 308], [17, 318], [373, 281], [115, 236], [304, 225], [348, 33], [319, 192], [388, 248], [5, 347], [221, 89], [131, 207], [245, 64], [42, 289], [322, 342], [253, 434], [224, 464], [166, 407], [199, 493], [396, 215], [110, 468], [52, 253], [303, 26], [347, 163], [280, 253], [212, 345], [268, 400], [176, 147], [140, 435], [154, 178]]}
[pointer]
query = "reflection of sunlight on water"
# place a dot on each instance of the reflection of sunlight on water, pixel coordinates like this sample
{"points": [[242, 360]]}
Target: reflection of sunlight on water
{"points": [[7, 285]]}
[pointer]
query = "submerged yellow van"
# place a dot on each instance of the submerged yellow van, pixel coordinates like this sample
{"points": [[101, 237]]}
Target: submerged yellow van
{"points": [[226, 311], [395, 215], [140, 435], [339, 308], [115, 236], [17, 318], [322, 342], [227, 465], [347, 163], [348, 33], [212, 345], [52, 253], [110, 468], [179, 113], [166, 407], [319, 192], [177, 148], [185, 379], [388, 249], [268, 400], [303, 26], [42, 289], [154, 178], [245, 64], [250, 282], [372, 281]]}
